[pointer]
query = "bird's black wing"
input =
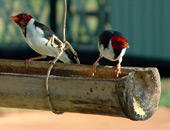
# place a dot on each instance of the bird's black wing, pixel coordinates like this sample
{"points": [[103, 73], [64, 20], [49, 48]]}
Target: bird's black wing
{"points": [[105, 37], [117, 53], [47, 31], [48, 34]]}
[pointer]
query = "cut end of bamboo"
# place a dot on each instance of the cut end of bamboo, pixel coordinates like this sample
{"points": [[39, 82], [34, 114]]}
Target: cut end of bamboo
{"points": [[141, 97]]}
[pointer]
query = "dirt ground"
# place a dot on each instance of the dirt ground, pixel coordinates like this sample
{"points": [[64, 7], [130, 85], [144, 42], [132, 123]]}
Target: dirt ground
{"points": [[43, 120]]}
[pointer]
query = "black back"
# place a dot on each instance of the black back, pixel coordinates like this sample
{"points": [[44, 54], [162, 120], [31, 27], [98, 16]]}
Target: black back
{"points": [[47, 31], [105, 37]]}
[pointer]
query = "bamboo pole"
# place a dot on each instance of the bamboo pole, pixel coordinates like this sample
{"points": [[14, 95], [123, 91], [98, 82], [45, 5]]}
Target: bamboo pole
{"points": [[135, 95]]}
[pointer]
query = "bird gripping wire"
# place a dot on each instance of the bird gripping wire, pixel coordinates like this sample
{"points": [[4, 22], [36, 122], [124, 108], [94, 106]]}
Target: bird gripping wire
{"points": [[61, 48]]}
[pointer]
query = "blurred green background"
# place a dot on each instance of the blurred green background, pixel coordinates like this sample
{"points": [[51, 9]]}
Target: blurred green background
{"points": [[145, 23]]}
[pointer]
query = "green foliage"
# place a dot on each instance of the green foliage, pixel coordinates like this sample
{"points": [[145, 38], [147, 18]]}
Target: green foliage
{"points": [[165, 94], [165, 99]]}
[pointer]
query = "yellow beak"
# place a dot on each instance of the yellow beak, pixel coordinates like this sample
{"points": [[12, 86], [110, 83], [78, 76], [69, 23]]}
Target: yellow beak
{"points": [[13, 18], [126, 45]]}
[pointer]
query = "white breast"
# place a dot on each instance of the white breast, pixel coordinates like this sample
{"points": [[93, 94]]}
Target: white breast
{"points": [[106, 52], [35, 39]]}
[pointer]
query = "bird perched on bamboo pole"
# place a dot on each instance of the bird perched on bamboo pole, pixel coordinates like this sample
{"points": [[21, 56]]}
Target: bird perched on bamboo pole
{"points": [[38, 36], [112, 45]]}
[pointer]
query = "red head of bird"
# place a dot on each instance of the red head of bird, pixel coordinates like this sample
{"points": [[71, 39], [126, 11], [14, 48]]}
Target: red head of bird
{"points": [[21, 19], [119, 42]]}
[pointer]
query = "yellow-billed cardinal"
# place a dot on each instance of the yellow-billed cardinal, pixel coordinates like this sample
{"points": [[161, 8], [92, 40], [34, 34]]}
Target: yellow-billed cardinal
{"points": [[112, 45], [37, 36]]}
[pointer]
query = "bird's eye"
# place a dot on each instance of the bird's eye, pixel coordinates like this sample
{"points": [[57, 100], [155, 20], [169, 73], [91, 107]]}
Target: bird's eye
{"points": [[21, 16], [119, 42]]}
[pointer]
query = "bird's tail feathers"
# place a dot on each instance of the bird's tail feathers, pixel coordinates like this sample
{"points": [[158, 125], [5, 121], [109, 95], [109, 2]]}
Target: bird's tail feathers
{"points": [[69, 57]]}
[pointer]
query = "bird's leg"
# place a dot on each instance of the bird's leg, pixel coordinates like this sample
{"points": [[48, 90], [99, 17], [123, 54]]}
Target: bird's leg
{"points": [[61, 48], [63, 44], [118, 69], [51, 40], [27, 61], [54, 37], [53, 43], [94, 65]]}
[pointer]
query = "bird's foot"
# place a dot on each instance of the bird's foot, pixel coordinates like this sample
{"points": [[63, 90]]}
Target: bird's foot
{"points": [[53, 44], [93, 70], [27, 62], [93, 73], [118, 72]]}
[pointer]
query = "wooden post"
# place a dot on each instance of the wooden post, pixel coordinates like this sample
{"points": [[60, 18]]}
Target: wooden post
{"points": [[135, 95]]}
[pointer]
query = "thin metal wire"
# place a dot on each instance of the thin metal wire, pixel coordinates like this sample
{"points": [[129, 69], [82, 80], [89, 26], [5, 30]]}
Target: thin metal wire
{"points": [[64, 22]]}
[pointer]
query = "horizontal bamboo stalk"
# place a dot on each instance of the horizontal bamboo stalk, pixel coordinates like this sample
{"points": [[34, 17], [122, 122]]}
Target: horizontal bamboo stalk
{"points": [[134, 95]]}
